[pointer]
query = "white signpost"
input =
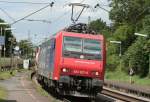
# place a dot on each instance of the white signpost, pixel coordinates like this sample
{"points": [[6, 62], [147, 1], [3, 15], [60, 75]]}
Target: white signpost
{"points": [[26, 64]]}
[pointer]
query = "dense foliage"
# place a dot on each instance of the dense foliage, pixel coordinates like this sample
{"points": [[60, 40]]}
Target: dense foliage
{"points": [[26, 49], [128, 17], [8, 34], [100, 26]]}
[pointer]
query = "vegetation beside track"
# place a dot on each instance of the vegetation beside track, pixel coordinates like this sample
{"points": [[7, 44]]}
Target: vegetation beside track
{"points": [[40, 90], [7, 74], [43, 92], [123, 77], [127, 18], [3, 94]]}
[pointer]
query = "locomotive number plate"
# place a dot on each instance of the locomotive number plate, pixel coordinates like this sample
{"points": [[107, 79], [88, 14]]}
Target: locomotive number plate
{"points": [[80, 72]]}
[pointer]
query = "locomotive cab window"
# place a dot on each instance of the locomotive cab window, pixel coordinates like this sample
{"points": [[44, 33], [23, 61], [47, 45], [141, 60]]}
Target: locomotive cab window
{"points": [[72, 44], [91, 46], [74, 47]]}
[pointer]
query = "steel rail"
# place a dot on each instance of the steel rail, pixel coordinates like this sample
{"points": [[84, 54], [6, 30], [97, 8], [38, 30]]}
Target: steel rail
{"points": [[123, 96], [129, 88], [66, 100]]}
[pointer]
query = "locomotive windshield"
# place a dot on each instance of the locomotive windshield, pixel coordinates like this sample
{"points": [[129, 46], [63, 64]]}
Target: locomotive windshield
{"points": [[74, 47], [91, 46], [72, 44]]}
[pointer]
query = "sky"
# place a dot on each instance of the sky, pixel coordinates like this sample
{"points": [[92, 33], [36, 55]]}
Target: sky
{"points": [[59, 16]]}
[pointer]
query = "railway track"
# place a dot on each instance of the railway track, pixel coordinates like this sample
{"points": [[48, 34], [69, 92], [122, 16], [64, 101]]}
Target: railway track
{"points": [[123, 96], [110, 95], [66, 100]]}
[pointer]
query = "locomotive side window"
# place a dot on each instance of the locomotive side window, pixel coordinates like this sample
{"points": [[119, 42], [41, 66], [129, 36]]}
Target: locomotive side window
{"points": [[72, 44], [42, 57], [52, 43]]}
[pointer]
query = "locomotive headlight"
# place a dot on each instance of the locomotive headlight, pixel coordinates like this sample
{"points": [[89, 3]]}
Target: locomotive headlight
{"points": [[95, 73], [64, 70]]}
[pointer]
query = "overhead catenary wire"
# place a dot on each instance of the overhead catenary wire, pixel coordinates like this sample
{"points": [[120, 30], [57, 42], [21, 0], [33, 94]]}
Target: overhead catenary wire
{"points": [[74, 20], [6, 13], [38, 20], [49, 5], [64, 14], [61, 16], [67, 3], [20, 2], [100, 6], [82, 1]]}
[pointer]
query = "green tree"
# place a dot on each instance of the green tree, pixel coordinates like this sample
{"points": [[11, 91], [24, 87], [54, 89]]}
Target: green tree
{"points": [[136, 57], [130, 16], [101, 27], [146, 24], [26, 48], [125, 34], [8, 34], [129, 11]]}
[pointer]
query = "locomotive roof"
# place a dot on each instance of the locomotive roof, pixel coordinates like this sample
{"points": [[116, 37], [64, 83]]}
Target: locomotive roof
{"points": [[89, 36]]}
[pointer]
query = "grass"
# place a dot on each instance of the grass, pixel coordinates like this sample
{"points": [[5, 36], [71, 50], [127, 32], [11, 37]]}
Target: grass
{"points": [[42, 92], [3, 94], [120, 76], [23, 70], [40, 89], [3, 76], [6, 75]]}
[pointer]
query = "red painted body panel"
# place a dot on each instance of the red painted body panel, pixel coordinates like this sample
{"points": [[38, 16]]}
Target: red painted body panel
{"points": [[58, 54], [78, 67], [82, 67], [90, 36], [104, 58]]}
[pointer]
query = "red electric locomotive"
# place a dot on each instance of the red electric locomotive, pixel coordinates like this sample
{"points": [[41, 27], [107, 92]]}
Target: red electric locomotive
{"points": [[73, 63]]}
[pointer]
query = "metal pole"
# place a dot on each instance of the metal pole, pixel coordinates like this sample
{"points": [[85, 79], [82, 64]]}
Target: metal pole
{"points": [[120, 54], [0, 55], [11, 59], [149, 65], [4, 43], [0, 47], [147, 36], [1, 31]]}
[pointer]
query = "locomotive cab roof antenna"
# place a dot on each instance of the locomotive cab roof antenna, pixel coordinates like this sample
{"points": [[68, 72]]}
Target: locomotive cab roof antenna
{"points": [[73, 19]]}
